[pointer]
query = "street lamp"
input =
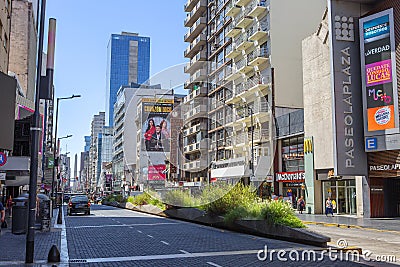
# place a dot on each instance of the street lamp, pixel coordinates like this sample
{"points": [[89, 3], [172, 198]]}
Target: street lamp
{"points": [[56, 163], [55, 143]]}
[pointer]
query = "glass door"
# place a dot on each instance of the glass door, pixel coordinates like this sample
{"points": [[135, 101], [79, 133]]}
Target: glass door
{"points": [[351, 200]]}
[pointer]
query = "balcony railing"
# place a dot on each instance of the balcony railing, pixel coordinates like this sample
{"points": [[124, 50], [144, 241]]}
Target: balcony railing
{"points": [[195, 13], [195, 28]]}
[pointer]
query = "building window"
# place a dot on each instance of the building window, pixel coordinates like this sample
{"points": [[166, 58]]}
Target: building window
{"points": [[293, 154]]}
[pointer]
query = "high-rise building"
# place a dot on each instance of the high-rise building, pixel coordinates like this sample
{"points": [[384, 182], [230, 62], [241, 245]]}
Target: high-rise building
{"points": [[23, 45], [87, 143], [242, 81], [128, 62], [97, 126], [5, 20]]}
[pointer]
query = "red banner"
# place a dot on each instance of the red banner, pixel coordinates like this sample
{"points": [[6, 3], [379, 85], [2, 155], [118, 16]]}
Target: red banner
{"points": [[156, 173]]}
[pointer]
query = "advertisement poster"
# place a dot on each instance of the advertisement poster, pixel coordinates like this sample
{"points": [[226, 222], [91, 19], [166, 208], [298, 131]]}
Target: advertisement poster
{"points": [[379, 71], [156, 127], [156, 173]]}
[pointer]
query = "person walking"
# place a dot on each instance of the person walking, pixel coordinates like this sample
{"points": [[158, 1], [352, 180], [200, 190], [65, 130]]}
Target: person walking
{"points": [[328, 207], [2, 214], [9, 205], [301, 204]]}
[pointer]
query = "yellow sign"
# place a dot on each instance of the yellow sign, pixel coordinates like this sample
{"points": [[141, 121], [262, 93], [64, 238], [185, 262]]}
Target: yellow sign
{"points": [[308, 145], [331, 173]]}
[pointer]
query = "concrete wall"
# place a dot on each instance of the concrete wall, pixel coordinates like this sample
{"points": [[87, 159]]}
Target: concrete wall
{"points": [[291, 22], [318, 96]]}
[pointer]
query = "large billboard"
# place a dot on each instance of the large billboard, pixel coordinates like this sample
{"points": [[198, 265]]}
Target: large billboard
{"points": [[379, 80], [349, 155], [156, 127]]}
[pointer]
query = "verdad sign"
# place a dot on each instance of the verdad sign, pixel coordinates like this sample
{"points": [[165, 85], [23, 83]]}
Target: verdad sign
{"points": [[290, 177]]}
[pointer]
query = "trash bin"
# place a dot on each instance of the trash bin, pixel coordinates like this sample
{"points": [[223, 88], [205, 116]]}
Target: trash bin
{"points": [[20, 216]]}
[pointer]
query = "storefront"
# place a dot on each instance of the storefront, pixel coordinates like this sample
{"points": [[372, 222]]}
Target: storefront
{"points": [[343, 193], [384, 179], [291, 185]]}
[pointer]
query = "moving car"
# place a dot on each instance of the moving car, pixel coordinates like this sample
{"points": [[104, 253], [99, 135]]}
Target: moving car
{"points": [[79, 204]]}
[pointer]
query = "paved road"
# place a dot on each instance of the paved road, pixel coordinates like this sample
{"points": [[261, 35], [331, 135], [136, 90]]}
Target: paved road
{"points": [[117, 237]]}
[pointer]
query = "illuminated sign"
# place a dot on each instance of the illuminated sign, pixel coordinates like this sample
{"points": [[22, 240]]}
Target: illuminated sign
{"points": [[378, 67], [290, 177]]}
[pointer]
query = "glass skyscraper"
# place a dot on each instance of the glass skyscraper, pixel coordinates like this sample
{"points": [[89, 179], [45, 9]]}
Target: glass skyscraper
{"points": [[128, 62]]}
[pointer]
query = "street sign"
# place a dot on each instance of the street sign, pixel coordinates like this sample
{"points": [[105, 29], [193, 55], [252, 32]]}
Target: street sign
{"points": [[3, 158]]}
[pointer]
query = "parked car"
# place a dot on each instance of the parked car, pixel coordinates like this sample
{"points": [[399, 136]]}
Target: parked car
{"points": [[78, 204]]}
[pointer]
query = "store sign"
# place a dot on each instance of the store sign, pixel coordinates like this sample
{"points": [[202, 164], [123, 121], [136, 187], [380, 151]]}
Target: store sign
{"points": [[378, 65], [308, 145], [156, 173], [386, 167], [290, 177], [349, 148]]}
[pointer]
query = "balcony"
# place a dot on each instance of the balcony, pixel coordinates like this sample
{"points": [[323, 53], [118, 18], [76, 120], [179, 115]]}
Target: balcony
{"points": [[233, 9], [195, 147], [259, 9], [260, 135], [243, 21], [258, 84], [195, 129], [194, 47], [234, 75], [190, 4], [196, 112], [195, 165], [242, 66], [197, 62], [234, 52], [261, 31], [232, 31], [242, 2], [197, 11], [242, 42], [259, 57], [198, 76], [241, 139], [195, 93], [195, 30]]}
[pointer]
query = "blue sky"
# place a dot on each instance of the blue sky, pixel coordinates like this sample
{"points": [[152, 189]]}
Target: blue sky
{"points": [[83, 31]]}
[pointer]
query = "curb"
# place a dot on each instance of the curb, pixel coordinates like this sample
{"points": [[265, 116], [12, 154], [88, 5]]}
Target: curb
{"points": [[352, 226]]}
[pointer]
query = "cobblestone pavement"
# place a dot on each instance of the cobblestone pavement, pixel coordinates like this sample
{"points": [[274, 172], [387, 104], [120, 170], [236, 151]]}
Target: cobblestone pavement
{"points": [[118, 237]]}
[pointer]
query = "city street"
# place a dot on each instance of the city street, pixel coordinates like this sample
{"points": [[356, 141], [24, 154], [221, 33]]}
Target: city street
{"points": [[117, 237]]}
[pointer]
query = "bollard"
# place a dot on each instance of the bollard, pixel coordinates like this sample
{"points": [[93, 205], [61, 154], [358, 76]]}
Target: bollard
{"points": [[59, 218], [54, 254]]}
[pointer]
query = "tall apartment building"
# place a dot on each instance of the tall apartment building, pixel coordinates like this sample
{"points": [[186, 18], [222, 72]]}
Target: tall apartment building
{"points": [[128, 62], [243, 81], [23, 45], [5, 28], [84, 166], [97, 125]]}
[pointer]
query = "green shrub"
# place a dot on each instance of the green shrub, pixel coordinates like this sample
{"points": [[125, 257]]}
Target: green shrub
{"points": [[144, 199], [281, 213], [180, 198], [223, 198]]}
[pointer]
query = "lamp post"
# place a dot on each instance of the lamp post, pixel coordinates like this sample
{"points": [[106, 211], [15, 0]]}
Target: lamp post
{"points": [[55, 145], [53, 180]]}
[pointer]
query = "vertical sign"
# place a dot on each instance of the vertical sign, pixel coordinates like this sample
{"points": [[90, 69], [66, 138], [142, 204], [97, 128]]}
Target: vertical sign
{"points": [[379, 79], [350, 158]]}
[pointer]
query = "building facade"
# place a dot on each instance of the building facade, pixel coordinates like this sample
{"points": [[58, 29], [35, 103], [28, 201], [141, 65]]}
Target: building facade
{"points": [[128, 62], [23, 45], [351, 135], [5, 27], [97, 125], [236, 93]]}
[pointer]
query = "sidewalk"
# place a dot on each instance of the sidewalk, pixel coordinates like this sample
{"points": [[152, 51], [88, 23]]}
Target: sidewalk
{"points": [[12, 252], [383, 224]]}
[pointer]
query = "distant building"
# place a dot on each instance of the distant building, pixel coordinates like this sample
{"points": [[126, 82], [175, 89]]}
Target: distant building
{"points": [[128, 62], [97, 127]]}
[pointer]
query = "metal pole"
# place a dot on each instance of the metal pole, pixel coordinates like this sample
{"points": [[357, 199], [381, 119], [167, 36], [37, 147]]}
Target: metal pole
{"points": [[252, 142], [55, 164], [30, 237]]}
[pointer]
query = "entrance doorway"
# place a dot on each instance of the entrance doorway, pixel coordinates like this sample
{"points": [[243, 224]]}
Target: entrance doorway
{"points": [[385, 197], [344, 194]]}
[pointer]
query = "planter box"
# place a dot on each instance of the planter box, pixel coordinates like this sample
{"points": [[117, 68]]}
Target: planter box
{"points": [[281, 232]]}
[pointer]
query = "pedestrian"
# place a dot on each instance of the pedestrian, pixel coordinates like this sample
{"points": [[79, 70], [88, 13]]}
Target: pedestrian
{"points": [[301, 204], [280, 198], [9, 205], [2, 214], [328, 207]]}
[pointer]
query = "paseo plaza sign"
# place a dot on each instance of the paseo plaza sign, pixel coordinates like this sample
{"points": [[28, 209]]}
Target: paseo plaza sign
{"points": [[385, 167]]}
